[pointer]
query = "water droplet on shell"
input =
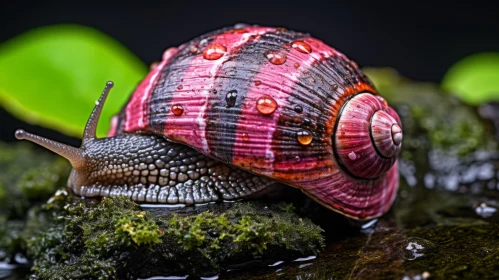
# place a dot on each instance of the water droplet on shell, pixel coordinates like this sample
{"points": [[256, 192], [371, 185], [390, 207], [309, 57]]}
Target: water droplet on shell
{"points": [[276, 57], [266, 105], [304, 137], [245, 136], [214, 51], [231, 98], [301, 47], [180, 87], [352, 156], [296, 65], [257, 83], [297, 159], [177, 110], [298, 109]]}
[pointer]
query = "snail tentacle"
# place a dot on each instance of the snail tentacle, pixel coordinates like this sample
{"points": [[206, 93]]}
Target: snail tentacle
{"points": [[74, 155], [93, 120]]}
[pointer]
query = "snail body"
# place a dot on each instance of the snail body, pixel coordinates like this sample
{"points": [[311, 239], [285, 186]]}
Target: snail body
{"points": [[228, 114]]}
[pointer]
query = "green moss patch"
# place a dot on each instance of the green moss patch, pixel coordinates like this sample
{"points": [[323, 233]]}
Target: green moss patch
{"points": [[115, 238]]}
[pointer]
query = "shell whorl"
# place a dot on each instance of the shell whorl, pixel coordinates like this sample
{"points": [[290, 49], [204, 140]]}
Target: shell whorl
{"points": [[268, 100], [368, 137]]}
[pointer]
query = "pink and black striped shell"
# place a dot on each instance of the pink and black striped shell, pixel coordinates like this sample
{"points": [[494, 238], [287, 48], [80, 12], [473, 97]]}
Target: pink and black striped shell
{"points": [[279, 104]]}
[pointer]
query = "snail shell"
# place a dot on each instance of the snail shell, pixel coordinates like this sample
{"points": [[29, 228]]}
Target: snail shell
{"points": [[280, 104]]}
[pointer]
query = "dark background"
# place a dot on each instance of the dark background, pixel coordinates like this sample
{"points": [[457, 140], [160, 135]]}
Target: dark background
{"points": [[421, 39]]}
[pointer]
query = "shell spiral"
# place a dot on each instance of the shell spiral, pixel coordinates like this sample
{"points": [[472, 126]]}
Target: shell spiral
{"points": [[280, 104]]}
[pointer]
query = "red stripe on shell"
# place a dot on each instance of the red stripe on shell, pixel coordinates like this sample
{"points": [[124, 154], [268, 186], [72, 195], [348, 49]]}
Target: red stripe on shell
{"points": [[257, 154], [197, 84], [137, 109]]}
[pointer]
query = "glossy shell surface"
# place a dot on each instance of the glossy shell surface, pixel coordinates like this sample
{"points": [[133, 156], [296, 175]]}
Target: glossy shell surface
{"points": [[269, 100]]}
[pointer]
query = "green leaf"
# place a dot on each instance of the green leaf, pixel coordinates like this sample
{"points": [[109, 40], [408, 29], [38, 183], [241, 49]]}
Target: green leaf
{"points": [[474, 79], [52, 76]]}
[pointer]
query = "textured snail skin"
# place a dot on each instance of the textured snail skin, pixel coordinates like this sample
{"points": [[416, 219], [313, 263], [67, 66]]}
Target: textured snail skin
{"points": [[147, 168]]}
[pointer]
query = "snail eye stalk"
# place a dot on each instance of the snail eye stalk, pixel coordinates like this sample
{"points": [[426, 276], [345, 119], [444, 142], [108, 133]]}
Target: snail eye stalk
{"points": [[74, 155], [91, 126]]}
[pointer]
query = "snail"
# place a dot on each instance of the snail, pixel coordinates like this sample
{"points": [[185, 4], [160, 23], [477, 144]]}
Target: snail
{"points": [[230, 113]]}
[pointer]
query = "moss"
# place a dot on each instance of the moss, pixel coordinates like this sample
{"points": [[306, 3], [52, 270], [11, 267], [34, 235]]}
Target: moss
{"points": [[11, 236], [90, 240], [41, 182], [27, 179], [248, 227], [3, 193], [207, 231], [115, 238]]}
